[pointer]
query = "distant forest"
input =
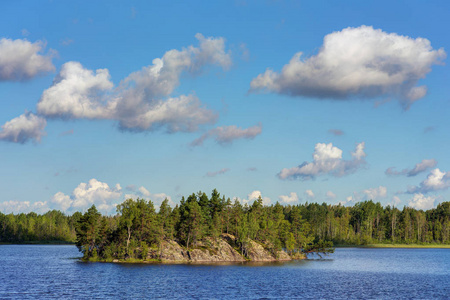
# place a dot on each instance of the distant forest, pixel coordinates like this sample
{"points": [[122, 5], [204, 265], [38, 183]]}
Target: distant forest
{"points": [[290, 227]]}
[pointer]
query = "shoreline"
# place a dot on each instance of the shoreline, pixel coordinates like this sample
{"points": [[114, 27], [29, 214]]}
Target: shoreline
{"points": [[180, 262], [372, 246], [411, 246], [56, 243]]}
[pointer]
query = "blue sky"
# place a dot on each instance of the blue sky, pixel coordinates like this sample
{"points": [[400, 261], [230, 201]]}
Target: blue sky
{"points": [[105, 100]]}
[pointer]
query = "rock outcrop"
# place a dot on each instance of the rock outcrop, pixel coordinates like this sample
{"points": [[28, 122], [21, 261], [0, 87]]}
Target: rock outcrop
{"points": [[216, 251], [282, 255], [222, 249], [171, 252], [256, 252]]}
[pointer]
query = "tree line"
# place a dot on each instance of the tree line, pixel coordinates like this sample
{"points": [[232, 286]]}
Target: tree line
{"points": [[138, 227], [53, 226]]}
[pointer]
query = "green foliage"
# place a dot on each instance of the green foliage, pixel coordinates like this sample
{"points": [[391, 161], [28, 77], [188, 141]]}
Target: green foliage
{"points": [[192, 221], [309, 228], [53, 226], [144, 250], [88, 229], [319, 248]]}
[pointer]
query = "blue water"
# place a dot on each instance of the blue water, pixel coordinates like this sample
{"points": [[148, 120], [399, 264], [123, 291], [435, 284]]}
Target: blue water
{"points": [[45, 272]]}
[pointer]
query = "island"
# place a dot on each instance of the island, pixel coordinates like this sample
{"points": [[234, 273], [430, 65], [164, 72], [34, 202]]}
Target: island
{"points": [[200, 229], [206, 228]]}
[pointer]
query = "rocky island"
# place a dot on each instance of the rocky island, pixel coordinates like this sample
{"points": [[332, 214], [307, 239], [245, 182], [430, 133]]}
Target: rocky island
{"points": [[199, 230]]}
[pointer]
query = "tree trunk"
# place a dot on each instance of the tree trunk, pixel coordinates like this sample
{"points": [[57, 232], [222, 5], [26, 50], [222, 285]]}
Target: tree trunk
{"points": [[128, 240], [189, 237]]}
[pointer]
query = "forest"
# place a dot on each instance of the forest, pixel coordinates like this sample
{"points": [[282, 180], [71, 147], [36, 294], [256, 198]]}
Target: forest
{"points": [[310, 227]]}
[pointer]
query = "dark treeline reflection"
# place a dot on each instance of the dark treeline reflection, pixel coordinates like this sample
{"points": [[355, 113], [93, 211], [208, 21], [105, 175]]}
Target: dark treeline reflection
{"points": [[138, 225]]}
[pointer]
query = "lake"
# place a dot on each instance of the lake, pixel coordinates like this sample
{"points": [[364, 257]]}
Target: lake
{"points": [[47, 271]]}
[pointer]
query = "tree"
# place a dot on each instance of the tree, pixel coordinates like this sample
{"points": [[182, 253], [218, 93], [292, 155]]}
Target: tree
{"points": [[320, 247], [191, 221], [165, 223], [300, 228], [87, 230], [128, 212]]}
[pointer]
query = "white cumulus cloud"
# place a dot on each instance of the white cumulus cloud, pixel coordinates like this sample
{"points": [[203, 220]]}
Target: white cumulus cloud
{"points": [[77, 93], [17, 207], [419, 201], [435, 181], [143, 101], [26, 127], [86, 194], [360, 62], [254, 195], [310, 194], [327, 159], [365, 195], [292, 197], [21, 60], [375, 193], [144, 193]]}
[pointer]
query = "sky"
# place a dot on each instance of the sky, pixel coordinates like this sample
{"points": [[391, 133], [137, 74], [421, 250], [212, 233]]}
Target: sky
{"points": [[293, 101]]}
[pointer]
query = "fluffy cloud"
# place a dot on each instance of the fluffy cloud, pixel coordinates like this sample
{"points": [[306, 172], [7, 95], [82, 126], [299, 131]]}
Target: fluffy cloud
{"points": [[215, 173], [183, 113], [357, 62], [227, 134], [435, 181], [142, 100], [144, 193], [423, 166], [419, 201], [21, 59], [368, 194], [16, 207], [375, 193], [292, 197], [26, 127], [254, 196], [77, 93], [158, 198], [87, 194], [61, 201], [350, 200], [83, 196], [310, 194], [327, 159]]}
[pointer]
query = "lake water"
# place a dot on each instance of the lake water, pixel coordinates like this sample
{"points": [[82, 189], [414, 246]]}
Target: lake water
{"points": [[44, 272]]}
